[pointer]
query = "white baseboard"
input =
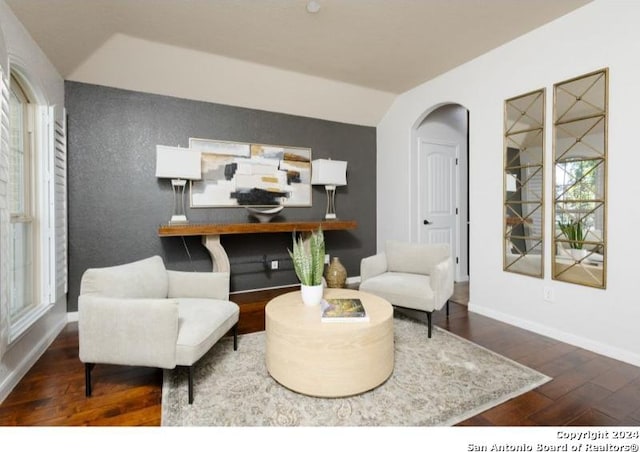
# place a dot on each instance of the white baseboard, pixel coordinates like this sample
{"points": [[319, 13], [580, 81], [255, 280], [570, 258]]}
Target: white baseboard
{"points": [[350, 281], [353, 280], [578, 341], [27, 361], [72, 316], [262, 288]]}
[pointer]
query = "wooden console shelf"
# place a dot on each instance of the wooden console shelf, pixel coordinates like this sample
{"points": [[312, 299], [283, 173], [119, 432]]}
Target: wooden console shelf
{"points": [[211, 234], [253, 228]]}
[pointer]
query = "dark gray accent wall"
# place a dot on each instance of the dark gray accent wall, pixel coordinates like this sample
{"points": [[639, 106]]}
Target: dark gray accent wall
{"points": [[116, 203]]}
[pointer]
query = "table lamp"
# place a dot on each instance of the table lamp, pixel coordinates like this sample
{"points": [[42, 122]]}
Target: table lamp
{"points": [[179, 165], [331, 174]]}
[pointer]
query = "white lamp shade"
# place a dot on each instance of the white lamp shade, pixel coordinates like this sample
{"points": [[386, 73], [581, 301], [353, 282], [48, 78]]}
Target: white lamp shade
{"points": [[328, 172], [178, 163]]}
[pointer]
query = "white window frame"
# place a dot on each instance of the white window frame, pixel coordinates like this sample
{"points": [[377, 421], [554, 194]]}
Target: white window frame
{"points": [[42, 210]]}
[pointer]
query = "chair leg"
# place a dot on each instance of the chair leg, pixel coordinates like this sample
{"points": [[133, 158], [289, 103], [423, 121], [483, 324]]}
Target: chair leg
{"points": [[429, 323], [190, 385], [447, 308], [88, 367], [235, 337]]}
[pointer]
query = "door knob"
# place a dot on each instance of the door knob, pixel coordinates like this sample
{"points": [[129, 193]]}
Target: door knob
{"points": [[426, 222]]}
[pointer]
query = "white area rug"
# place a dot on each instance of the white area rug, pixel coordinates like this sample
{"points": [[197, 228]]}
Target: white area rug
{"points": [[436, 382]]}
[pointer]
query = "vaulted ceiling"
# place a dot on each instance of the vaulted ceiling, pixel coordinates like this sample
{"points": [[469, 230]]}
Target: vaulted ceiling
{"points": [[386, 45]]}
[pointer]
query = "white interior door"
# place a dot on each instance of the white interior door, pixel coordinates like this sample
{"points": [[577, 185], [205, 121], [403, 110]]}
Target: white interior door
{"points": [[439, 195]]}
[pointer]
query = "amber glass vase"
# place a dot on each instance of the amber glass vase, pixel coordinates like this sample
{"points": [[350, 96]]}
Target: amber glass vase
{"points": [[336, 274]]}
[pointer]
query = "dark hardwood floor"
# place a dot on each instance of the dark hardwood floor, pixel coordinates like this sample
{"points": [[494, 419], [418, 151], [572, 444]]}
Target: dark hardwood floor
{"points": [[587, 389]]}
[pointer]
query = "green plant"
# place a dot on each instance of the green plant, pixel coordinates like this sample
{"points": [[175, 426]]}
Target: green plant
{"points": [[575, 232], [308, 258]]}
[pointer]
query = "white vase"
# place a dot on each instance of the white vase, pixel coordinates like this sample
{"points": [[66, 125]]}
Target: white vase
{"points": [[311, 295], [577, 254]]}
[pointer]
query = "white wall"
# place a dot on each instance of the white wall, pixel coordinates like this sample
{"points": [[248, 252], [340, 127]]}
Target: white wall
{"points": [[22, 353], [139, 65], [601, 34]]}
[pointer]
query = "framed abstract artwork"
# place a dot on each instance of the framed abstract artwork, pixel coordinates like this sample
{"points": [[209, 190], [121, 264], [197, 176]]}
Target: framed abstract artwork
{"points": [[238, 174]]}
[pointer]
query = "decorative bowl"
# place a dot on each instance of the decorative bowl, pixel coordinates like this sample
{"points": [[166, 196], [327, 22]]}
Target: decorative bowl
{"points": [[264, 215]]}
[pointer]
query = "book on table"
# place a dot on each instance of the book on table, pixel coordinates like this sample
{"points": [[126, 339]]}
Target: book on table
{"points": [[335, 310]]}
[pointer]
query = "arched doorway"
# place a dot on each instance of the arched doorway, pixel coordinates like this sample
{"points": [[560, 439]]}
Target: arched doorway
{"points": [[440, 201]]}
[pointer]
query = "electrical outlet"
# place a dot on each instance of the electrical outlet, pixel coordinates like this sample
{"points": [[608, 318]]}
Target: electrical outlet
{"points": [[274, 265], [326, 258], [547, 294]]}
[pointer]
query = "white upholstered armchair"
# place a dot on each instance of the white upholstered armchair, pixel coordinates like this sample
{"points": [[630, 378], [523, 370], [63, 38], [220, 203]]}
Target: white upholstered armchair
{"points": [[141, 314], [410, 275]]}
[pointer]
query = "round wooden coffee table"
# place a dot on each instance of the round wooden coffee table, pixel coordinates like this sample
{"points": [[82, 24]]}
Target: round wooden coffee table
{"points": [[328, 359]]}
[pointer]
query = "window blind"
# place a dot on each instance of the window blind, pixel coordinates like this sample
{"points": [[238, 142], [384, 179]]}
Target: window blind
{"points": [[4, 214], [60, 183]]}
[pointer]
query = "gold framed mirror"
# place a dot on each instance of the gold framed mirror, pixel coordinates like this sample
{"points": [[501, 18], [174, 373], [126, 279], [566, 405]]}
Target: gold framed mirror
{"points": [[580, 179], [523, 187]]}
